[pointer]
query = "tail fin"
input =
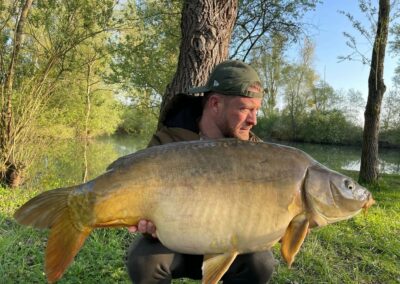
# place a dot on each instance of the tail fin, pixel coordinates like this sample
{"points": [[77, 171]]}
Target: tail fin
{"points": [[50, 210], [44, 210], [64, 242]]}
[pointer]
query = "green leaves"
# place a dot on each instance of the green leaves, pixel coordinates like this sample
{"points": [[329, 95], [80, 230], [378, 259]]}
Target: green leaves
{"points": [[145, 55]]}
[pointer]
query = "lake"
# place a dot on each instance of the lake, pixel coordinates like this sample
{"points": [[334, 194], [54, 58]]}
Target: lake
{"points": [[66, 162]]}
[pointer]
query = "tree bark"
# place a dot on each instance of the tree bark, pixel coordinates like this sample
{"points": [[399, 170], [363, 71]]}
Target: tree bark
{"points": [[369, 170], [206, 28]]}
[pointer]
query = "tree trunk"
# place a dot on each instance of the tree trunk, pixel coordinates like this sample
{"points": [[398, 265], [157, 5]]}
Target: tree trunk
{"points": [[206, 28], [369, 169], [10, 170], [87, 117]]}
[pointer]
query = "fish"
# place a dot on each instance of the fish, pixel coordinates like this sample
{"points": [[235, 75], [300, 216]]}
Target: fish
{"points": [[217, 198]]}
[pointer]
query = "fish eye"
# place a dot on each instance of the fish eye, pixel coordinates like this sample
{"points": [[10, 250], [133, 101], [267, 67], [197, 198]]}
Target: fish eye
{"points": [[349, 184]]}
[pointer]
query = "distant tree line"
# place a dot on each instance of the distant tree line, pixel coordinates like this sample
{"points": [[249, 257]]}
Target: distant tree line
{"points": [[301, 106]]}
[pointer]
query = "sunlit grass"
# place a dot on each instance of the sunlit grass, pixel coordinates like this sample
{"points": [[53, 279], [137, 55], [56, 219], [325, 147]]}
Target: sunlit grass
{"points": [[365, 249]]}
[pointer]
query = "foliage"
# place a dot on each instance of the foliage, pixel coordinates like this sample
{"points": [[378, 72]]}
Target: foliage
{"points": [[145, 56], [268, 62], [298, 80], [271, 127], [390, 138], [330, 127], [353, 105], [64, 115], [137, 121], [144, 60], [323, 97], [55, 32]]}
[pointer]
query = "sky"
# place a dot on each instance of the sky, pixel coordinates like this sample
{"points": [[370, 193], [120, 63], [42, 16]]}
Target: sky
{"points": [[330, 43]]}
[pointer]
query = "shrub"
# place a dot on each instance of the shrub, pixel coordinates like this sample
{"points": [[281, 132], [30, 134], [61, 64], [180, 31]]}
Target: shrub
{"points": [[330, 127]]}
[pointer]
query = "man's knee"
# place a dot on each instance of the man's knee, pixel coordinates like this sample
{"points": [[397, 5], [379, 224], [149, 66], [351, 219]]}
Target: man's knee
{"points": [[149, 262], [251, 268], [263, 263]]}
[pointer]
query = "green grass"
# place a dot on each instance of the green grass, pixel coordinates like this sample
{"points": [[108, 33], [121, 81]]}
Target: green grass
{"points": [[365, 249]]}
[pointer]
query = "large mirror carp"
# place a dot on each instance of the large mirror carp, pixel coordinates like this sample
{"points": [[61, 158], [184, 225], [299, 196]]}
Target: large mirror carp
{"points": [[217, 198]]}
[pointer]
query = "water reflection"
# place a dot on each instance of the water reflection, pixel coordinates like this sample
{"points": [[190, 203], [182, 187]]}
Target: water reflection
{"points": [[348, 157], [67, 162], [64, 162]]}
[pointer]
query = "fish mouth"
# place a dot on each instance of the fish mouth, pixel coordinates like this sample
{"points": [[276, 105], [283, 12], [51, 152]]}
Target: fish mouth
{"points": [[368, 204], [351, 201]]}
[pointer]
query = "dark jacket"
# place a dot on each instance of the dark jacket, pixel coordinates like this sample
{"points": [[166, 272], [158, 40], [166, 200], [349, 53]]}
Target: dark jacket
{"points": [[176, 134]]}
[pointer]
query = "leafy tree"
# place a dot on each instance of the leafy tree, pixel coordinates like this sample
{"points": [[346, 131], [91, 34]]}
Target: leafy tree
{"points": [[145, 55], [10, 167], [353, 106], [144, 58], [298, 81], [53, 31], [83, 105], [268, 61], [140, 114], [391, 110], [323, 97]]}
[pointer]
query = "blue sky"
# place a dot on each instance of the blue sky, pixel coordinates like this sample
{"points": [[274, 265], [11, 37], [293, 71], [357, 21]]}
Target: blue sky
{"points": [[330, 43]]}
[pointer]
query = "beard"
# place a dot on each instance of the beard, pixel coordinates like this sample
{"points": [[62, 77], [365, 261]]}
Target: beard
{"points": [[242, 134], [231, 132]]}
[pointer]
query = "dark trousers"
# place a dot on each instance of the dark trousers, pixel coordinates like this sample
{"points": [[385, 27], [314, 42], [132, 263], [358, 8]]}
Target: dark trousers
{"points": [[151, 262]]}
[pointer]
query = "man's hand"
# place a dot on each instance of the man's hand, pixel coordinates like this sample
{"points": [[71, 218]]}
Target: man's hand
{"points": [[145, 227]]}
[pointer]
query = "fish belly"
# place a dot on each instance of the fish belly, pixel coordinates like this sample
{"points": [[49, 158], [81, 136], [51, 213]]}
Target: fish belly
{"points": [[218, 219]]}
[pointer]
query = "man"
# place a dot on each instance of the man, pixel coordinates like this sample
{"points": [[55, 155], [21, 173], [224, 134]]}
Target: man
{"points": [[232, 97]]}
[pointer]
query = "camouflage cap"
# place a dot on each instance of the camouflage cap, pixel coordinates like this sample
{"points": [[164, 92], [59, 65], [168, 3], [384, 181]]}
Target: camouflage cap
{"points": [[232, 78]]}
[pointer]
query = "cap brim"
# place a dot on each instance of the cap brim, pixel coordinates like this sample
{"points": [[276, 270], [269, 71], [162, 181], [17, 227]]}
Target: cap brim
{"points": [[198, 90]]}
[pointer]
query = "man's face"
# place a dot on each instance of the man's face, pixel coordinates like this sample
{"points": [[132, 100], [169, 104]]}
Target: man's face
{"points": [[237, 116]]}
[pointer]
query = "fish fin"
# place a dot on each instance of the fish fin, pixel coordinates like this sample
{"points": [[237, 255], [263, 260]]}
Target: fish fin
{"points": [[64, 242], [215, 266], [294, 238], [42, 210], [50, 210]]}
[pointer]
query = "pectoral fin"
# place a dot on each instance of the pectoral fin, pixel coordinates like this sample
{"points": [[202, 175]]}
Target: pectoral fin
{"points": [[215, 266], [294, 238]]}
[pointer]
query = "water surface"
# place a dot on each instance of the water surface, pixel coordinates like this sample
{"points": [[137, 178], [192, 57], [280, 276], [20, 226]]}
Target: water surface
{"points": [[67, 162]]}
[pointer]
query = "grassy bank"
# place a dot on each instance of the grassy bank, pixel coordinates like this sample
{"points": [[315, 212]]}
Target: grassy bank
{"points": [[360, 250]]}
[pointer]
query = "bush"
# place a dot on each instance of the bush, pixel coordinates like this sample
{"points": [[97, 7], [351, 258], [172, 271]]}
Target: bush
{"points": [[330, 127], [390, 137], [137, 121]]}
